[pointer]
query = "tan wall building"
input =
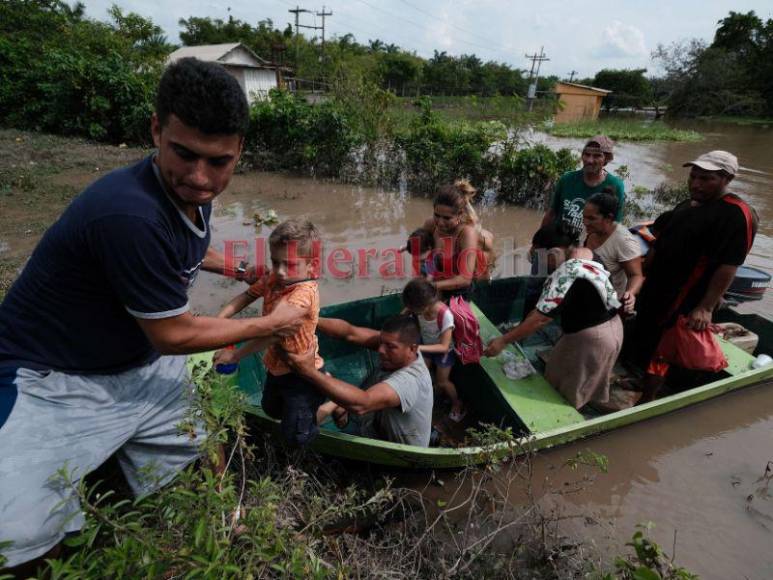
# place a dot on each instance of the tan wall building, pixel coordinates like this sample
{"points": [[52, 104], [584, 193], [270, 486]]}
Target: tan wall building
{"points": [[578, 102]]}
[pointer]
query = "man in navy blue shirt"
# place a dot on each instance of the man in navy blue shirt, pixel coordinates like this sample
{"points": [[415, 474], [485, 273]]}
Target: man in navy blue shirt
{"points": [[93, 333]]}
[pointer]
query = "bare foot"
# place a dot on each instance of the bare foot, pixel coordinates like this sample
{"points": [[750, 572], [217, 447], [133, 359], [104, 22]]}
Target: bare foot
{"points": [[458, 412]]}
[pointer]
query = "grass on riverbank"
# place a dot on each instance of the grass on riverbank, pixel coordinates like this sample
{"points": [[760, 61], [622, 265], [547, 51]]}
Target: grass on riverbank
{"points": [[629, 129], [764, 122], [510, 110]]}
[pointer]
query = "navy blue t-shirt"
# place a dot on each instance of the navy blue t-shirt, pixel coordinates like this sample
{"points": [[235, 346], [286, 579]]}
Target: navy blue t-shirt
{"points": [[121, 250]]}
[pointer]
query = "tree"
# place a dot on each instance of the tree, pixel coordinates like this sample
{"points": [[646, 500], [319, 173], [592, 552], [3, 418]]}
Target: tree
{"points": [[146, 39], [732, 76], [740, 33], [705, 81], [751, 41], [629, 88], [399, 71]]}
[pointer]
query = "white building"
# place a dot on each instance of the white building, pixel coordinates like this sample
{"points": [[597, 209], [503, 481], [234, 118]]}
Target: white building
{"points": [[255, 75]]}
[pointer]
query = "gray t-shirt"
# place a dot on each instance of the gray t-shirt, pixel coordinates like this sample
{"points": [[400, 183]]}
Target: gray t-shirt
{"points": [[411, 422]]}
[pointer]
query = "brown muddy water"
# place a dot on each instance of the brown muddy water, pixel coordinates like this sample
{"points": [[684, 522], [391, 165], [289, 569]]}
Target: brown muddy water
{"points": [[691, 472]]}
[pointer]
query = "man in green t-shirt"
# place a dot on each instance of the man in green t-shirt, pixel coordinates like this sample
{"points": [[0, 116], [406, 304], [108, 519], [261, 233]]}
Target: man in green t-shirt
{"points": [[574, 187]]}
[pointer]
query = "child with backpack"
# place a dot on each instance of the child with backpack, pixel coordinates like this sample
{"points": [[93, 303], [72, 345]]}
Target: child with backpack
{"points": [[436, 322]]}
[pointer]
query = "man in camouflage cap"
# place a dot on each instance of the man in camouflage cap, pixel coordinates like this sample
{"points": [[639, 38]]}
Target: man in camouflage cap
{"points": [[574, 187]]}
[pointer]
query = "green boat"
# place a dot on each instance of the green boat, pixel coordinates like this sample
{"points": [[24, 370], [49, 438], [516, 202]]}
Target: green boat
{"points": [[537, 414]]}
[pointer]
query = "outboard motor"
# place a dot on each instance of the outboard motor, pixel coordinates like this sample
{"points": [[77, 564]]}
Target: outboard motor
{"points": [[749, 284]]}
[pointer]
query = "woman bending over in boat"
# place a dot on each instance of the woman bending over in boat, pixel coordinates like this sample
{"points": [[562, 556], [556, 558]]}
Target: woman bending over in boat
{"points": [[614, 246], [580, 291], [457, 258]]}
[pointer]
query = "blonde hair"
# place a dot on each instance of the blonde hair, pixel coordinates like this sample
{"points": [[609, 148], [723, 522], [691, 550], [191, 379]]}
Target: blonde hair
{"points": [[468, 192], [300, 231], [485, 237]]}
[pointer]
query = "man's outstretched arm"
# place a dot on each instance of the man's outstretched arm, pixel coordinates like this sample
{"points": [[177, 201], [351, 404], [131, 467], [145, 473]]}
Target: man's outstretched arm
{"points": [[352, 398], [342, 330], [187, 334]]}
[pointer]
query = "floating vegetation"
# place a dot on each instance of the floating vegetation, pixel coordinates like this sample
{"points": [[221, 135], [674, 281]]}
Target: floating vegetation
{"points": [[628, 129], [269, 218]]}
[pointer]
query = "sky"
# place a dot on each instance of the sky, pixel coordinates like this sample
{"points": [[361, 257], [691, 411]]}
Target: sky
{"points": [[577, 36]]}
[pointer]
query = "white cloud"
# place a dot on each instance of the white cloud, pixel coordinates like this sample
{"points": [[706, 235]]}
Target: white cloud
{"points": [[440, 35], [622, 41]]}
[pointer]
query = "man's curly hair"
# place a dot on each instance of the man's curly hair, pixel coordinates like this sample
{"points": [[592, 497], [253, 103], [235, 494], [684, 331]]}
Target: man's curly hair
{"points": [[203, 96]]}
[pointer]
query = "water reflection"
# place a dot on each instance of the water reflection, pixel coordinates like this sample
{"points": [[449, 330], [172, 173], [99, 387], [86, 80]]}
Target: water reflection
{"points": [[691, 471]]}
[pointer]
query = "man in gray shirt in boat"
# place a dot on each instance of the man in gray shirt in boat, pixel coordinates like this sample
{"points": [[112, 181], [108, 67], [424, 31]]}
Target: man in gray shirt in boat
{"points": [[394, 402]]}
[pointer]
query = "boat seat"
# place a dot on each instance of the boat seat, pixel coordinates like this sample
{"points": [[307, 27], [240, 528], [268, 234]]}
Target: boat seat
{"points": [[738, 360], [536, 403]]}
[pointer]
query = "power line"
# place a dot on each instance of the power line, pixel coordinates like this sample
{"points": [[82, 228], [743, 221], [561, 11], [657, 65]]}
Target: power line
{"points": [[390, 34], [370, 33], [411, 22], [422, 27], [353, 28], [431, 15]]}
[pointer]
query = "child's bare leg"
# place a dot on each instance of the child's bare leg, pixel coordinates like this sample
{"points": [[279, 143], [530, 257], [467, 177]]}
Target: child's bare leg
{"points": [[443, 381], [325, 410]]}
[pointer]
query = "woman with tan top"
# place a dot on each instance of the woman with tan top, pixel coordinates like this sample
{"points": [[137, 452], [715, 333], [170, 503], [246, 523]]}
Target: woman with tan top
{"points": [[614, 246]]}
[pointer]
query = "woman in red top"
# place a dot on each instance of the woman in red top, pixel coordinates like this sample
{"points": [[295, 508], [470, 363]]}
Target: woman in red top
{"points": [[457, 259]]}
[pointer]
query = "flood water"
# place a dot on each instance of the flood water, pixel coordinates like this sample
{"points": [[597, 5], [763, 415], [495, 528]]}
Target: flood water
{"points": [[691, 471]]}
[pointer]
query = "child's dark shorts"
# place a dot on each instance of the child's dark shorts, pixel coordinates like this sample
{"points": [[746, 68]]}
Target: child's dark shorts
{"points": [[294, 401], [442, 359]]}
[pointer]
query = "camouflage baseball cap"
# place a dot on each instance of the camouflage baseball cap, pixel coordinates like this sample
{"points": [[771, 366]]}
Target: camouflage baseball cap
{"points": [[604, 143]]}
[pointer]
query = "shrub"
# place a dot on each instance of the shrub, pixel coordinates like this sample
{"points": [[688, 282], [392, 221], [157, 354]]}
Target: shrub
{"points": [[78, 76], [438, 151], [526, 176], [286, 132], [648, 561]]}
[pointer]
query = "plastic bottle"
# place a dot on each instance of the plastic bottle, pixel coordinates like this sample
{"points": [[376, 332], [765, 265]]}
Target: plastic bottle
{"points": [[227, 369], [762, 360]]}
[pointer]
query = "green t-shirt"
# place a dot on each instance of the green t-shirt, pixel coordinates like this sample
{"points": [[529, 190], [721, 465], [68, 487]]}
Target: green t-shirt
{"points": [[571, 193]]}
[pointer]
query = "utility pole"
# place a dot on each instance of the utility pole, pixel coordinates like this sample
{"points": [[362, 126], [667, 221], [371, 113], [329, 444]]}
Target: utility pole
{"points": [[571, 75], [323, 14], [297, 11], [536, 62]]}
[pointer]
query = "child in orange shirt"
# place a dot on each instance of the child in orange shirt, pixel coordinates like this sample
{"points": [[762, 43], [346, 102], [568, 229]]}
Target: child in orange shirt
{"points": [[294, 246]]}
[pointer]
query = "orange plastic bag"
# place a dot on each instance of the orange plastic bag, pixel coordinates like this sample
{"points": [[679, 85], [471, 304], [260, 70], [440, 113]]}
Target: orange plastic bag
{"points": [[690, 349]]}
